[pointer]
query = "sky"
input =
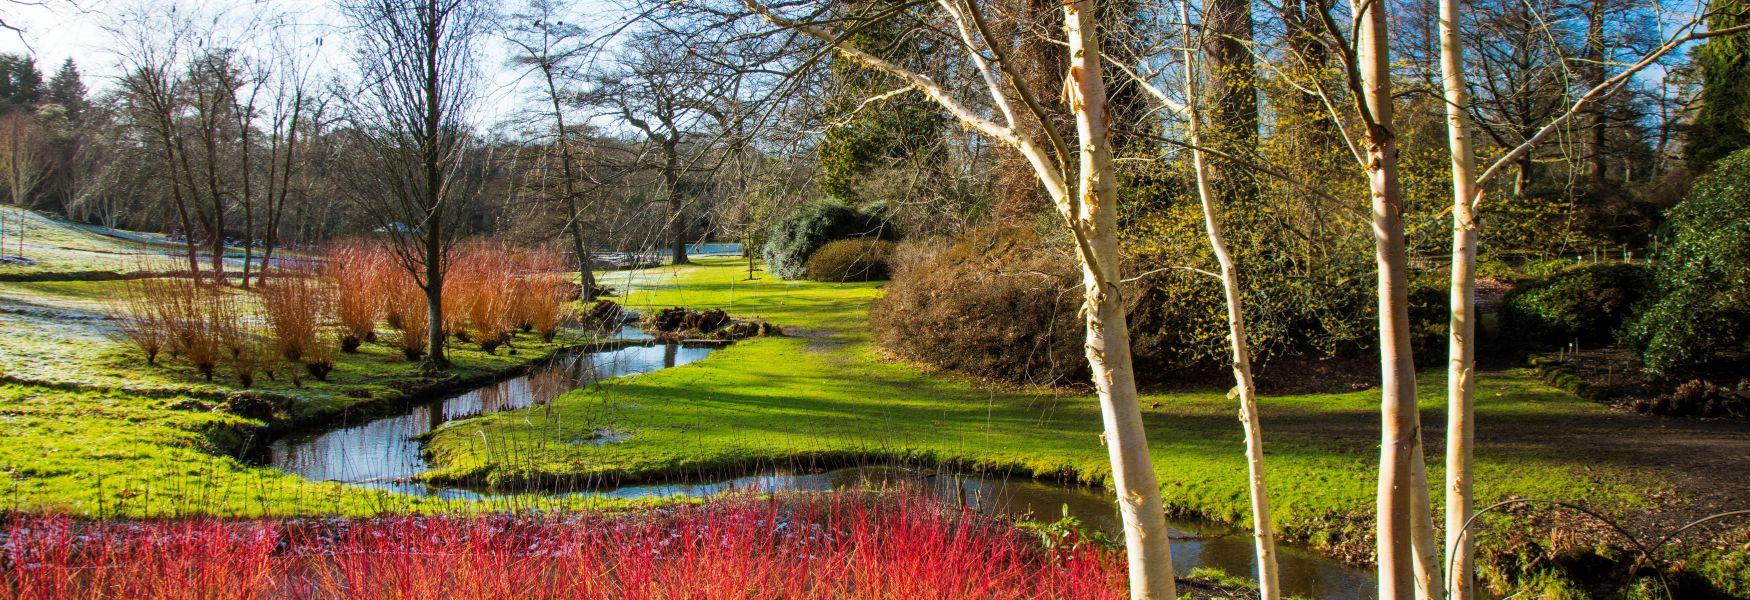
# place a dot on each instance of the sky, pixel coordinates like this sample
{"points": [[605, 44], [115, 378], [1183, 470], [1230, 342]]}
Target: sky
{"points": [[52, 31]]}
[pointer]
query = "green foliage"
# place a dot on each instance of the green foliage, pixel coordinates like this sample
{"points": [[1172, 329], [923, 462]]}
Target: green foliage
{"points": [[792, 240], [67, 90], [1587, 304], [1703, 274], [855, 259], [1720, 124], [21, 84], [897, 131], [1305, 278], [1540, 224]]}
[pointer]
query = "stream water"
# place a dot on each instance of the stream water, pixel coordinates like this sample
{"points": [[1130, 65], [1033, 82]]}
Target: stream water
{"points": [[384, 454]]}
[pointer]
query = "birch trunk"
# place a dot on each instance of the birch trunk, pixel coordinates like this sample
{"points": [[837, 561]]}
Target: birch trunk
{"points": [[1262, 534], [1399, 420], [1093, 213], [1091, 217], [1461, 346], [1430, 584]]}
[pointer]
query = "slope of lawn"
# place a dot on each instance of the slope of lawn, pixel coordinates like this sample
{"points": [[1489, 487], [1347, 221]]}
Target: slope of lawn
{"points": [[86, 426], [825, 395], [60, 249]]}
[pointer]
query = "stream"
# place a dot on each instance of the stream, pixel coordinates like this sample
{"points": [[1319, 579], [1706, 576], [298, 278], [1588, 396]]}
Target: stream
{"points": [[385, 454]]}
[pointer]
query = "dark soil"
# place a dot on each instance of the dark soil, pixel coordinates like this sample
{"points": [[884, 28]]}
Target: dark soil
{"points": [[1614, 376]]}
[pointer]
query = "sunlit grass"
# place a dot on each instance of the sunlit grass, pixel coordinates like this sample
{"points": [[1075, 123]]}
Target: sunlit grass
{"points": [[829, 395]]}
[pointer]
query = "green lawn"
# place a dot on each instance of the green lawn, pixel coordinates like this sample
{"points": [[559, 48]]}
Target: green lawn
{"points": [[826, 394], [87, 427]]}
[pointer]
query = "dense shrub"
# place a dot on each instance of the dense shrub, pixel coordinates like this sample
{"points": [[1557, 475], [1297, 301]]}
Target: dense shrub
{"points": [[856, 259], [792, 240], [997, 303], [1703, 275], [1586, 304], [1005, 304]]}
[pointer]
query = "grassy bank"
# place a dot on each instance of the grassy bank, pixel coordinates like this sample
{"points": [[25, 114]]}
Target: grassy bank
{"points": [[87, 427], [825, 394]]}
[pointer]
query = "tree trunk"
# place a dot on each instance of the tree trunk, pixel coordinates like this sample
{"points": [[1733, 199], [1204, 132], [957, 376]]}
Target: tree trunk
{"points": [[1399, 419], [434, 297], [1093, 213], [1263, 535], [1593, 73], [579, 240], [1461, 344], [248, 202], [1233, 96], [677, 224]]}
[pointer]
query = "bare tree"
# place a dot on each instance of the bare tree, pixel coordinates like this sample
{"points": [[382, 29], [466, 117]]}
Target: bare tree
{"points": [[417, 60], [1263, 537], [1467, 195], [21, 166], [151, 47], [552, 48], [1088, 207], [660, 87], [298, 108]]}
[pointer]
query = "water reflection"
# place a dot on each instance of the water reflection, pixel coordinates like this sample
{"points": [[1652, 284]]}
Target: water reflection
{"points": [[384, 453]]}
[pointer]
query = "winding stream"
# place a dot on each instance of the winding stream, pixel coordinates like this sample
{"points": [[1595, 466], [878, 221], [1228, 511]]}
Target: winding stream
{"points": [[385, 454]]}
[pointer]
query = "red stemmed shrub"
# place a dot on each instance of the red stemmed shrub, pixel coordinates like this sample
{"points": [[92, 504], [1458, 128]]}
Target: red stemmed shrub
{"points": [[847, 545]]}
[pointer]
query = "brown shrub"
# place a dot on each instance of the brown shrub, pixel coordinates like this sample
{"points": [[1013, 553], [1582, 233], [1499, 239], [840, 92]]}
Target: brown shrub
{"points": [[139, 320], [200, 318], [543, 303], [997, 303], [855, 259], [405, 310], [478, 294]]}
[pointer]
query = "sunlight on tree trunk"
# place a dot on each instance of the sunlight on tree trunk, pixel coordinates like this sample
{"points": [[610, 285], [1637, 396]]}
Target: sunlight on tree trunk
{"points": [[1093, 214], [1262, 535], [1461, 345], [1399, 448]]}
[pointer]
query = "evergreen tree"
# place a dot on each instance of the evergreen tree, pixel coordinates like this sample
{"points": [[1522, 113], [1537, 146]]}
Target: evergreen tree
{"points": [[1720, 124], [21, 84], [66, 89], [883, 134]]}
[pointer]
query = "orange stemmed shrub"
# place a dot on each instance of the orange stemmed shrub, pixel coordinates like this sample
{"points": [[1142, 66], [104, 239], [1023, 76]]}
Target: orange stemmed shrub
{"points": [[359, 271]]}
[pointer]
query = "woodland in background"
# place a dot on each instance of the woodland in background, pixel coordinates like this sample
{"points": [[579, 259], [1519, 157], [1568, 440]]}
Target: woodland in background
{"points": [[1116, 193], [222, 144]]}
